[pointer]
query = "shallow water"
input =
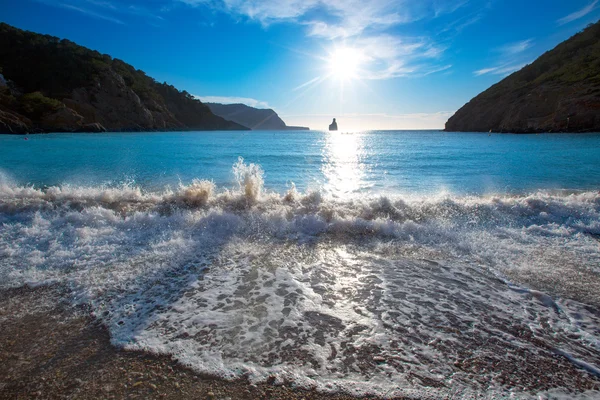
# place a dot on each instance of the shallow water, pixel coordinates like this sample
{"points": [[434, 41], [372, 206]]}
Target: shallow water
{"points": [[407, 162], [398, 264]]}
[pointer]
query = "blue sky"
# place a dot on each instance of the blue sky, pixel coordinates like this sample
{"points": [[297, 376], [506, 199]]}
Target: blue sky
{"points": [[413, 62]]}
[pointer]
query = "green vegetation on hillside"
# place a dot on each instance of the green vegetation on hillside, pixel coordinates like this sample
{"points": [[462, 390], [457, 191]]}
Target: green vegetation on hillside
{"points": [[36, 104], [44, 71], [557, 92], [573, 61], [56, 67]]}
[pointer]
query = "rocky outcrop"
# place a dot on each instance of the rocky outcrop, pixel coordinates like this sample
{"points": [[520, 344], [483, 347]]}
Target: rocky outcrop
{"points": [[14, 123], [559, 92], [333, 126], [63, 120], [92, 128], [53, 85], [111, 103], [254, 118]]}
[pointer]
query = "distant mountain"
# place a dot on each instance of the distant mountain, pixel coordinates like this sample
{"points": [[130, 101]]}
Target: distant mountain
{"points": [[559, 92], [53, 85], [253, 118]]}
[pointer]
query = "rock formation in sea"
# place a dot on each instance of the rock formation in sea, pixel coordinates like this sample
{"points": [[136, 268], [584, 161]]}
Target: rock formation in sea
{"points": [[559, 92], [333, 126], [53, 85], [253, 118]]}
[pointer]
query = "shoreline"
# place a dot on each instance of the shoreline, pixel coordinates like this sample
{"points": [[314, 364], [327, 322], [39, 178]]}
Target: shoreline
{"points": [[49, 349]]}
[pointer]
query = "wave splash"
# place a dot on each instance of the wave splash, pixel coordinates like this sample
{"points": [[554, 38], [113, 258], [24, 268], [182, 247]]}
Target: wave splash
{"points": [[391, 295]]}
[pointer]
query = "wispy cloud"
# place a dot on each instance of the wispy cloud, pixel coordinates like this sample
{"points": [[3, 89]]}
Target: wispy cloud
{"points": [[511, 58], [100, 3], [441, 7], [500, 70], [513, 49], [327, 18], [438, 69], [82, 8], [233, 100], [486, 71], [578, 14], [335, 18], [362, 25], [112, 11], [459, 24], [143, 12], [387, 56]]}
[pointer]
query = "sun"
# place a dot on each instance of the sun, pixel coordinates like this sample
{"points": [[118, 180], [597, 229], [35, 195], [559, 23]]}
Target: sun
{"points": [[345, 63]]}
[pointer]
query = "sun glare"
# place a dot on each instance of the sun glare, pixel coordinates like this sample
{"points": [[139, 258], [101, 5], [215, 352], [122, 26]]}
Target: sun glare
{"points": [[344, 63]]}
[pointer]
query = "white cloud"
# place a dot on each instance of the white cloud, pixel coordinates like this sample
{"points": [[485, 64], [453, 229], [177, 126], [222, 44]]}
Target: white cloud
{"points": [[485, 71], [143, 12], [513, 49], [461, 23], [441, 7], [386, 56], [500, 70], [100, 3], [353, 17], [438, 69], [83, 9], [578, 14], [105, 10], [233, 100], [511, 59], [337, 18], [268, 11], [361, 24]]}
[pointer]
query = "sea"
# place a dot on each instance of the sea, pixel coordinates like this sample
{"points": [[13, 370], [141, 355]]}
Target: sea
{"points": [[422, 264]]}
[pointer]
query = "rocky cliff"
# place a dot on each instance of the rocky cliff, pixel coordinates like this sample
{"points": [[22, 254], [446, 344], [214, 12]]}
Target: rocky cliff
{"points": [[254, 118], [53, 85], [559, 92]]}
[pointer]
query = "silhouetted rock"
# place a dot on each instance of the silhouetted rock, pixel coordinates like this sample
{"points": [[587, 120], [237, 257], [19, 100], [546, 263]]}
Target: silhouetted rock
{"points": [[333, 126], [253, 118], [559, 92], [53, 85]]}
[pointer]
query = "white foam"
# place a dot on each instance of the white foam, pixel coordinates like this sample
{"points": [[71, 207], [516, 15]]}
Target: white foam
{"points": [[375, 295]]}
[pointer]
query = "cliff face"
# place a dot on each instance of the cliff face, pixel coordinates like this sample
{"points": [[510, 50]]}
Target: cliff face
{"points": [[559, 92], [254, 118], [53, 85]]}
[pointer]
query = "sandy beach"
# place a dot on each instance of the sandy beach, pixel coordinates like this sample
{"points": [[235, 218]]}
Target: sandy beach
{"points": [[50, 350]]}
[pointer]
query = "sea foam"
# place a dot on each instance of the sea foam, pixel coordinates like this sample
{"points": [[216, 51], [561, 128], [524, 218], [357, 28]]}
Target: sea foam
{"points": [[390, 295]]}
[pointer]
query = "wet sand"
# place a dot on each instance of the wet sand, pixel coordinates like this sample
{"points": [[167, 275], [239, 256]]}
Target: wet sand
{"points": [[49, 349]]}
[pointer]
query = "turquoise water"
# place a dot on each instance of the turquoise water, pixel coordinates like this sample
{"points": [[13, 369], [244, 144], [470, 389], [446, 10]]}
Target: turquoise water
{"points": [[409, 264], [371, 162]]}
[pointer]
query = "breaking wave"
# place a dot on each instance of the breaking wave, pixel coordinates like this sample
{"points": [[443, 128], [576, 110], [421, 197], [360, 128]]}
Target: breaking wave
{"points": [[391, 295]]}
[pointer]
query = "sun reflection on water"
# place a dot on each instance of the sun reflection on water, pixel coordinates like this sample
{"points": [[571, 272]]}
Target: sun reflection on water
{"points": [[344, 167]]}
